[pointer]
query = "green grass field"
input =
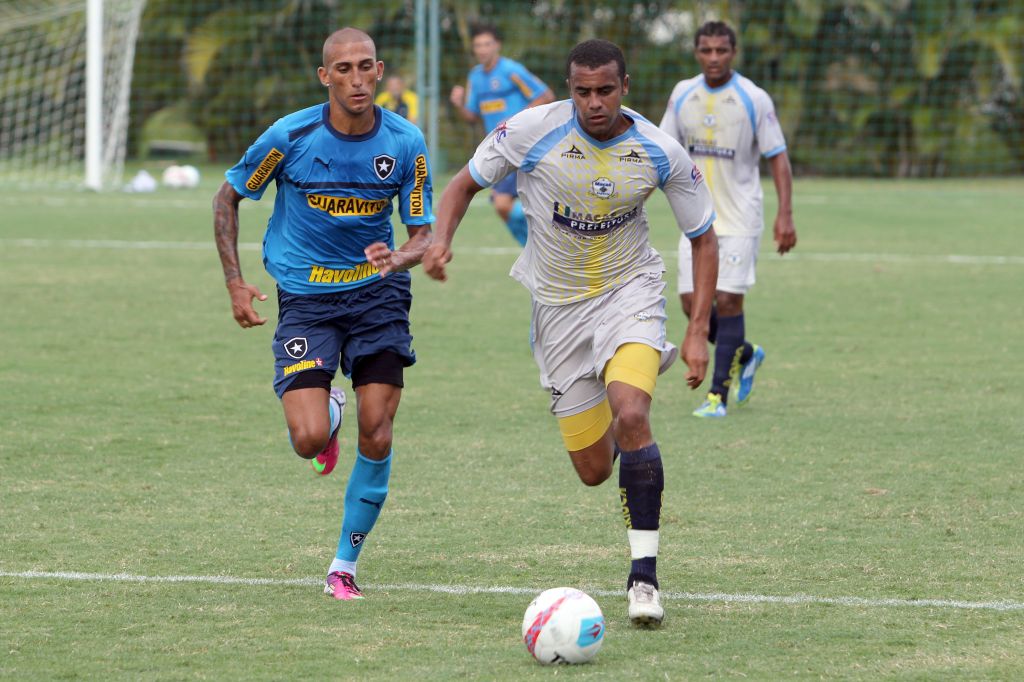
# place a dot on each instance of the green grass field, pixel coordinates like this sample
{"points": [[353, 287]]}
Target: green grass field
{"points": [[879, 462]]}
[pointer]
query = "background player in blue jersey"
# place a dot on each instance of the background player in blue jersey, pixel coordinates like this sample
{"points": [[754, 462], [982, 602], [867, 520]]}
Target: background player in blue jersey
{"points": [[498, 88], [343, 293]]}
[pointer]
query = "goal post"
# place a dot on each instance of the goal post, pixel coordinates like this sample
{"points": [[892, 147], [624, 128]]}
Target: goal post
{"points": [[65, 79]]}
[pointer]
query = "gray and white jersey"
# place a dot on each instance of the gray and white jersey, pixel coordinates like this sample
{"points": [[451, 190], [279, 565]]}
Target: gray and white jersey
{"points": [[726, 130], [584, 198]]}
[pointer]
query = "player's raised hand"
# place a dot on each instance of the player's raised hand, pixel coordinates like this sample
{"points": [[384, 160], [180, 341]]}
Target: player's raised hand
{"points": [[785, 232], [242, 295], [381, 257], [695, 355], [434, 260]]}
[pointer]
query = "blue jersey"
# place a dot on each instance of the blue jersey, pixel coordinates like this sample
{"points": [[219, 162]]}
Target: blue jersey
{"points": [[502, 92], [334, 195]]}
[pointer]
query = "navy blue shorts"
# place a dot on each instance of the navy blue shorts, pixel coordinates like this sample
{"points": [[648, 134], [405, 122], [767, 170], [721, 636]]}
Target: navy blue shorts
{"points": [[316, 331], [507, 185]]}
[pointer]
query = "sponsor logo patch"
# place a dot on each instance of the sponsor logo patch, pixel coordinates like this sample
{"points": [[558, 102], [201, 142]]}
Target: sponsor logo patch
{"points": [[573, 153], [296, 347], [321, 275], [642, 316], [589, 224], [631, 157], [710, 148], [302, 366], [347, 206], [695, 175], [263, 171], [500, 131], [384, 166], [602, 188], [709, 121], [416, 204], [492, 106]]}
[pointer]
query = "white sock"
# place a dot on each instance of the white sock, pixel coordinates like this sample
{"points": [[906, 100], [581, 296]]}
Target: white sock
{"points": [[342, 566], [335, 414], [642, 543]]}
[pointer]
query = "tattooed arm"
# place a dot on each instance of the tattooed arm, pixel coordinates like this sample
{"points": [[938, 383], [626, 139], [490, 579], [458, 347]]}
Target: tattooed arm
{"points": [[225, 231]]}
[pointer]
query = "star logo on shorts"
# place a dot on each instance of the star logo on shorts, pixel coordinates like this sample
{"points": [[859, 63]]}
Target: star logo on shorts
{"points": [[296, 347], [384, 166]]}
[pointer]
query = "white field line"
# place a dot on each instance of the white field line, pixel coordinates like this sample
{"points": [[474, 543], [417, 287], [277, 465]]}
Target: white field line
{"points": [[951, 259], [796, 599]]}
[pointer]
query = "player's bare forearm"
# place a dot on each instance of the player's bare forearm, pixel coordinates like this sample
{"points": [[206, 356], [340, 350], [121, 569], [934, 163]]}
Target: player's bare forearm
{"points": [[705, 279], [225, 230], [450, 212], [784, 229], [408, 255], [546, 97]]}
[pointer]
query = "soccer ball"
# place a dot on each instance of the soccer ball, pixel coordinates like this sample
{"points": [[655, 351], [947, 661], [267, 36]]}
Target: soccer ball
{"points": [[563, 625], [181, 177]]}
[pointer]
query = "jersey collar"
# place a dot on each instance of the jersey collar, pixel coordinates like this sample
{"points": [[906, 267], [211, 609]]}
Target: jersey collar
{"points": [[377, 116], [723, 86], [628, 133]]}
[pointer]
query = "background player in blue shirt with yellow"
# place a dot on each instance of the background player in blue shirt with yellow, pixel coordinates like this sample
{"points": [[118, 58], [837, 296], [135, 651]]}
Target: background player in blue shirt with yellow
{"points": [[498, 89], [343, 293]]}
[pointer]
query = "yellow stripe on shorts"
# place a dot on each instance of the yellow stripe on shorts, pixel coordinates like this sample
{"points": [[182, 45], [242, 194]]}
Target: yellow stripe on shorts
{"points": [[635, 364], [582, 430]]}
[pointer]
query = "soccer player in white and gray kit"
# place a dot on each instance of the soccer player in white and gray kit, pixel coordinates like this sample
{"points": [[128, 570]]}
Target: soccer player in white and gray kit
{"points": [[585, 168], [726, 123]]}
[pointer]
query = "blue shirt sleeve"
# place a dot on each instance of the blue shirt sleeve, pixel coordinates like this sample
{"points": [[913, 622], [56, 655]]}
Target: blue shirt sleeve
{"points": [[416, 197], [472, 96], [528, 84], [260, 164]]}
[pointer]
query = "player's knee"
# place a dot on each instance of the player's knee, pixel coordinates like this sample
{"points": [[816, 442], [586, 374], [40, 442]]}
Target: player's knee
{"points": [[728, 304], [307, 443], [375, 439], [631, 422], [595, 475]]}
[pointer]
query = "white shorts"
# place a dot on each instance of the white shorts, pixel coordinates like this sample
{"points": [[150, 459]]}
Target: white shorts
{"points": [[737, 261], [573, 343]]}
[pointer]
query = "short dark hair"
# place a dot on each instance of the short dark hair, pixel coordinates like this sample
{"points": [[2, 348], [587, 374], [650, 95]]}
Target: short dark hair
{"points": [[481, 29], [594, 54], [715, 28]]}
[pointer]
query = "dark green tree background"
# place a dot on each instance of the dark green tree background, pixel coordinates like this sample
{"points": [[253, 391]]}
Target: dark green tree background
{"points": [[863, 87]]}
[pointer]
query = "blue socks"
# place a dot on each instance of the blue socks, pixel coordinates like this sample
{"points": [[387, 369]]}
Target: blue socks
{"points": [[517, 223], [364, 497], [728, 345], [641, 485]]}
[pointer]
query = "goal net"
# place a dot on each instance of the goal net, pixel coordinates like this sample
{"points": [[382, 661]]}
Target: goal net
{"points": [[43, 91]]}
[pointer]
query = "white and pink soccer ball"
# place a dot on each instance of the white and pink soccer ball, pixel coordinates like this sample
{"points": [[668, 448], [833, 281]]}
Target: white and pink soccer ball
{"points": [[563, 625]]}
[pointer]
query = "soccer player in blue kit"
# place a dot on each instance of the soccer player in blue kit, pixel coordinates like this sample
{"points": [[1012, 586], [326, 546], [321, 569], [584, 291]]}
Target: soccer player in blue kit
{"points": [[499, 88], [343, 293]]}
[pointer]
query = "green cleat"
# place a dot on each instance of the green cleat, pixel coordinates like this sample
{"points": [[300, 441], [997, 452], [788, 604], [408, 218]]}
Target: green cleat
{"points": [[713, 408]]}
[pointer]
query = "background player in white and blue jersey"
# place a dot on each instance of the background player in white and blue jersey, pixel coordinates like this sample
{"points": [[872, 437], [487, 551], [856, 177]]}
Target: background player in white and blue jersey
{"points": [[497, 89], [727, 123], [343, 293], [586, 167]]}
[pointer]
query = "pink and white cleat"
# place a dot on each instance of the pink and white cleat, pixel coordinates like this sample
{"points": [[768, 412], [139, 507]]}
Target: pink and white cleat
{"points": [[342, 586], [323, 463]]}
